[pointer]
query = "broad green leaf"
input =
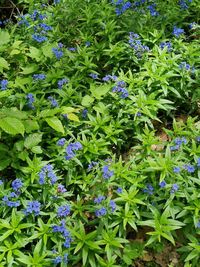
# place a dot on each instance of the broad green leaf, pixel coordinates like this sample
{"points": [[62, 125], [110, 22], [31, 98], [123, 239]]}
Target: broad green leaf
{"points": [[6, 234], [30, 125], [33, 140], [34, 53], [87, 101], [3, 63], [37, 149], [30, 69], [12, 126], [72, 117], [56, 124], [99, 91]]}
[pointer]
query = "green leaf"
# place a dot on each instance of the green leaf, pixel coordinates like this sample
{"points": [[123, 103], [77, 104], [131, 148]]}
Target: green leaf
{"points": [[33, 140], [73, 117], [4, 37], [34, 53], [30, 69], [6, 234], [12, 126], [99, 91], [3, 63], [56, 124], [31, 125], [87, 101], [37, 149]]}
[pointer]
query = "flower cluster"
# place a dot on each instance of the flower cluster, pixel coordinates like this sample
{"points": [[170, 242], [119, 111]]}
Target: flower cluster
{"points": [[136, 43], [17, 184], [61, 142], [92, 165], [10, 203], [60, 259], [33, 207], [184, 4], [107, 173], [152, 9], [47, 172], [53, 101], [166, 44], [64, 232], [58, 52], [178, 31], [178, 142], [121, 6], [103, 210], [71, 148], [120, 88], [39, 77], [63, 211]]}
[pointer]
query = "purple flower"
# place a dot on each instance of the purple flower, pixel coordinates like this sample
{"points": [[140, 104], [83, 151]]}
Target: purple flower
{"points": [[72, 49], [106, 172], [166, 44], [91, 165], [198, 162], [184, 65], [17, 184], [108, 78], [61, 142], [99, 199], [33, 207], [45, 27], [4, 84], [149, 189], [57, 260], [190, 168], [162, 184], [84, 113], [63, 211], [174, 148], [47, 172], [101, 212], [177, 31], [13, 195]]}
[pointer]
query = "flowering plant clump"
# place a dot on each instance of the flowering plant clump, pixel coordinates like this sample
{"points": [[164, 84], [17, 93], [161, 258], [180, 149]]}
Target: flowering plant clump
{"points": [[99, 133]]}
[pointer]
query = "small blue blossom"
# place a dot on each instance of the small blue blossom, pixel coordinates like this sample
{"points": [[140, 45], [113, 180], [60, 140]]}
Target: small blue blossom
{"points": [[61, 142], [31, 100], [99, 199], [4, 84], [174, 148], [91, 165], [112, 205], [176, 169], [45, 27], [192, 25], [162, 184], [177, 31], [84, 113], [120, 89], [47, 172], [39, 38], [198, 138], [33, 207], [152, 9], [39, 77], [190, 168], [72, 49], [198, 224], [106, 172], [179, 141], [93, 76], [108, 78], [61, 188], [119, 190], [149, 189], [1, 182], [174, 188], [198, 162], [62, 82], [17, 184], [58, 53], [87, 43], [53, 101], [71, 148], [57, 260], [13, 195], [63, 211], [101, 212], [166, 44], [184, 65]]}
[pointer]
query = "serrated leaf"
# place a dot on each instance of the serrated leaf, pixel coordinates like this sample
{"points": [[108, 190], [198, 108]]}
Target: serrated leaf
{"points": [[34, 53], [56, 124], [72, 117], [31, 125], [87, 101], [33, 140], [12, 126]]}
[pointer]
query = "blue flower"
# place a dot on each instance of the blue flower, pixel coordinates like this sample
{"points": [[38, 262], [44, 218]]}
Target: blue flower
{"points": [[120, 88], [63, 211], [184, 65], [61, 142], [152, 9], [174, 148], [108, 78], [72, 49], [4, 84], [71, 148], [1, 182], [91, 165], [31, 100], [99, 199], [174, 188], [39, 77], [33, 207], [93, 76], [45, 27], [183, 4], [198, 224], [53, 101], [149, 189], [112, 205], [162, 184], [177, 31], [179, 141], [198, 138], [17, 184], [62, 82], [106, 172], [166, 44], [47, 172], [57, 260], [119, 190], [101, 212], [192, 25], [64, 232], [176, 169], [84, 113], [198, 162], [39, 38], [190, 168], [87, 43], [58, 53], [61, 188]]}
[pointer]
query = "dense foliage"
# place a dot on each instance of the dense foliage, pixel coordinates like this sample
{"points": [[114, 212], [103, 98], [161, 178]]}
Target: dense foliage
{"points": [[99, 132]]}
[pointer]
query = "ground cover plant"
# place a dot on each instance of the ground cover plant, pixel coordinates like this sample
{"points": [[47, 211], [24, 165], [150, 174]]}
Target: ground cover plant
{"points": [[99, 133]]}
